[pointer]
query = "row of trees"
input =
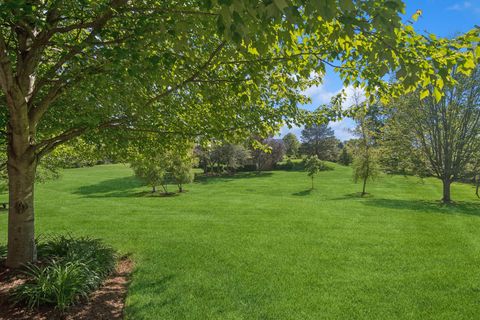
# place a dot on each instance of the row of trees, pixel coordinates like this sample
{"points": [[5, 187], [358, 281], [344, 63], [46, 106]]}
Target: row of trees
{"points": [[164, 166], [418, 135], [415, 134], [257, 154], [318, 140]]}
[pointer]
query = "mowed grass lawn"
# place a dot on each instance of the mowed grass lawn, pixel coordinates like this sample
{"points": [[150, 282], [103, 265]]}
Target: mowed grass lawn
{"points": [[264, 247]]}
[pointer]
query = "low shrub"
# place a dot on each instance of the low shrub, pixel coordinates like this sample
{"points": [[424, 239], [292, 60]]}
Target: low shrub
{"points": [[98, 256], [69, 269], [59, 283]]}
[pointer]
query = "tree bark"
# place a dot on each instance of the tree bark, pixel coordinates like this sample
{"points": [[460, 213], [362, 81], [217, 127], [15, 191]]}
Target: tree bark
{"points": [[446, 190], [477, 185], [364, 190], [21, 235]]}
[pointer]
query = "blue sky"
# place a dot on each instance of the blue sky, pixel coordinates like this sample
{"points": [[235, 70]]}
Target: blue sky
{"points": [[445, 18]]}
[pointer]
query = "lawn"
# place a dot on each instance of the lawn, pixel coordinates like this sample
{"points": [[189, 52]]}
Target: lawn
{"points": [[265, 247]]}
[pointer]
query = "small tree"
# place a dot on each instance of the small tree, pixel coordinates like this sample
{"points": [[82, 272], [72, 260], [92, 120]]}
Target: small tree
{"points": [[313, 166], [291, 145], [365, 166], [181, 170], [151, 171]]}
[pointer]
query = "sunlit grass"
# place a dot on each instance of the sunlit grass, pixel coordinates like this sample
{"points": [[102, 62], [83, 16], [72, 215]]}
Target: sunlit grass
{"points": [[266, 247]]}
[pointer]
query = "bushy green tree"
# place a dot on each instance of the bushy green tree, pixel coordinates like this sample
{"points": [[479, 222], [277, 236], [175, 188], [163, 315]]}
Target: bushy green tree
{"points": [[217, 156], [345, 157], [152, 171], [292, 145], [320, 140], [439, 137], [182, 169]]}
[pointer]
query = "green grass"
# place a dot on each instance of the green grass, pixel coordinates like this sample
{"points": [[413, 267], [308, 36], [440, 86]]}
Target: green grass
{"points": [[265, 247]]}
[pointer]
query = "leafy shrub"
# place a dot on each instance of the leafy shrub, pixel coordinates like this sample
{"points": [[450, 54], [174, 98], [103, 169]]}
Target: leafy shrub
{"points": [[98, 256], [70, 269], [59, 283]]}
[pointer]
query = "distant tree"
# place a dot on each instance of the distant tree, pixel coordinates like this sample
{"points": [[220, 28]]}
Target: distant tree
{"points": [[233, 156], [220, 156], [152, 171], [365, 166], [313, 166], [444, 133], [291, 144], [320, 140], [181, 168], [267, 159], [345, 157]]}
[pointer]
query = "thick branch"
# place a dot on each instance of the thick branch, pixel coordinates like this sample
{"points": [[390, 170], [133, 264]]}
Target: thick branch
{"points": [[96, 25]]}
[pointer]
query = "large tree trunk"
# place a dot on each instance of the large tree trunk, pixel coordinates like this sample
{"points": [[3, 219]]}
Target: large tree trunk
{"points": [[21, 179], [446, 190]]}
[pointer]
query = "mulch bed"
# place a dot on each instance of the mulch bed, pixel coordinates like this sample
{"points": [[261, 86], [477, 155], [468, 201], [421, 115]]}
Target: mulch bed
{"points": [[104, 304]]}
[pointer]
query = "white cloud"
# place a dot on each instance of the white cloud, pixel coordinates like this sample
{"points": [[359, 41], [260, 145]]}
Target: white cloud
{"points": [[320, 95], [460, 6]]}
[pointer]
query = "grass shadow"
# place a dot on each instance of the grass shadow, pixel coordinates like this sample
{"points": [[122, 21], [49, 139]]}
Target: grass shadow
{"points": [[118, 187], [206, 179], [461, 207], [150, 194], [354, 195], [303, 193]]}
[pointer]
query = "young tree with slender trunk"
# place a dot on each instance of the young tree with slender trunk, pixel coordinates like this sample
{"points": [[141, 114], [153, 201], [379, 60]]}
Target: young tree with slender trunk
{"points": [[314, 166], [365, 164]]}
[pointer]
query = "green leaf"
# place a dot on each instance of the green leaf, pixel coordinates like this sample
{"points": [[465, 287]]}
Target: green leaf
{"points": [[437, 94], [425, 93]]}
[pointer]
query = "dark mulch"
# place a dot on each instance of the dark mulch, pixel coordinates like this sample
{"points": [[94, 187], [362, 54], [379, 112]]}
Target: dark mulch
{"points": [[104, 304]]}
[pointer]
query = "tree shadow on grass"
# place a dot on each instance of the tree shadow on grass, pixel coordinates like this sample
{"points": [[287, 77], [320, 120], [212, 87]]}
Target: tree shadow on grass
{"points": [[206, 179], [354, 195], [461, 207], [303, 193], [118, 187]]}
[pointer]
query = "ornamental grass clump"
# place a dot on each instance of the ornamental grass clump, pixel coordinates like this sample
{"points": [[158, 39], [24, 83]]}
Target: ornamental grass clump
{"points": [[69, 270]]}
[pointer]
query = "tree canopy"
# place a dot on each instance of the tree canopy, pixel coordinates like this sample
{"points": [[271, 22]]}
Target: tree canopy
{"points": [[442, 137]]}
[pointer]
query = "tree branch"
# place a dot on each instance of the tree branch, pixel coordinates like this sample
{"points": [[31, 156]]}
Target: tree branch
{"points": [[189, 79], [96, 25]]}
